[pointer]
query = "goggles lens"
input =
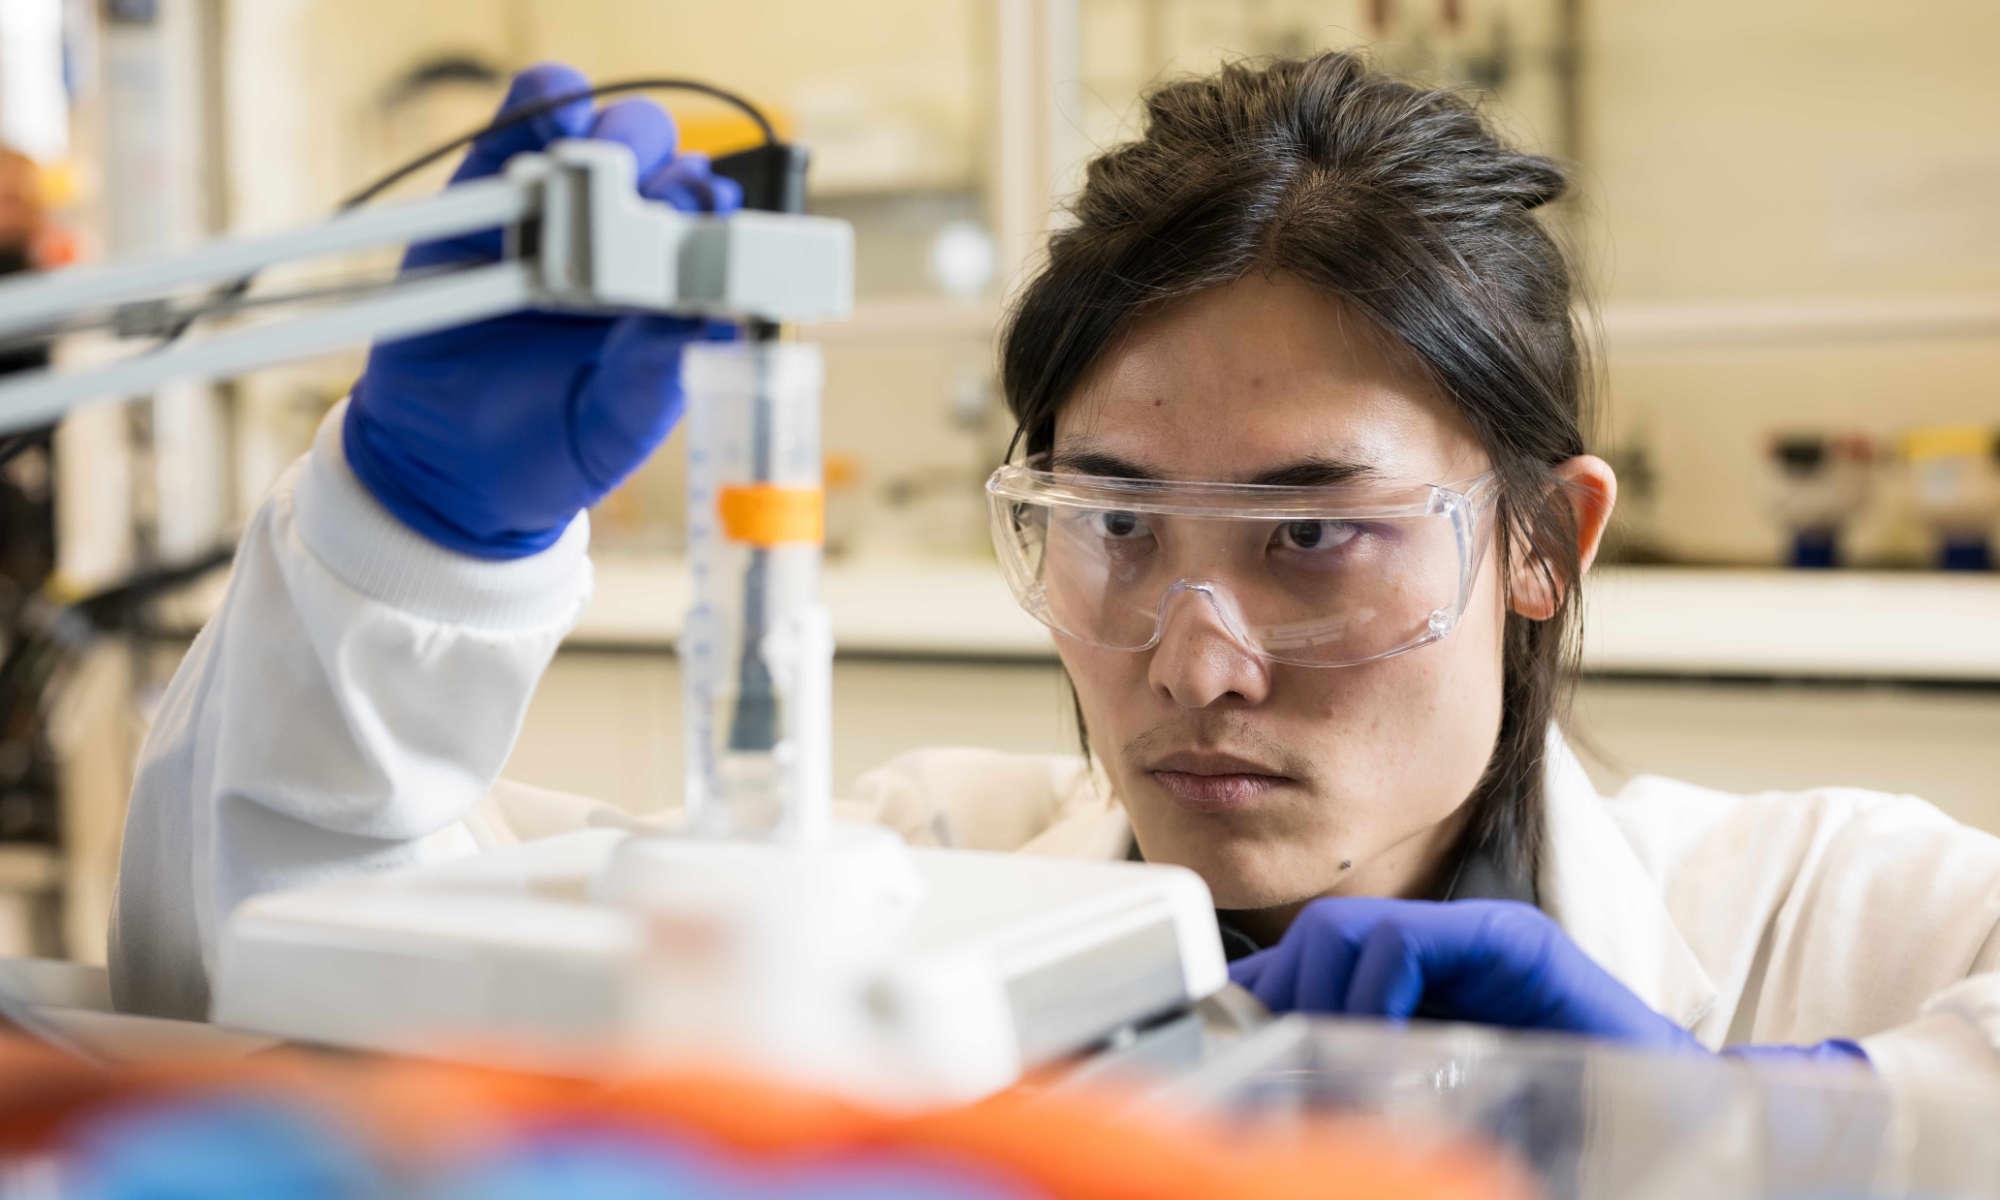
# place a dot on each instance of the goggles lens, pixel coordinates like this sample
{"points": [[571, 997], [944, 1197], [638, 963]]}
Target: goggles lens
{"points": [[1330, 576]]}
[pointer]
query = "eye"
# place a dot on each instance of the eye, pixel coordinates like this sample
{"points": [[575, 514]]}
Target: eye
{"points": [[1318, 536], [1118, 525]]}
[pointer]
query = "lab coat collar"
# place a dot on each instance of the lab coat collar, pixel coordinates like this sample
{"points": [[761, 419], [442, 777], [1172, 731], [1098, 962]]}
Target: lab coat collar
{"points": [[1594, 885], [1589, 880]]}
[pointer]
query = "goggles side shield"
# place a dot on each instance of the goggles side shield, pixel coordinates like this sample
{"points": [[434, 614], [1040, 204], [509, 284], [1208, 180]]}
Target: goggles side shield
{"points": [[1315, 576]]}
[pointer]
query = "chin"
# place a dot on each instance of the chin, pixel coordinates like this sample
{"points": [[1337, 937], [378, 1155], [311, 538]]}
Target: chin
{"points": [[1241, 873]]}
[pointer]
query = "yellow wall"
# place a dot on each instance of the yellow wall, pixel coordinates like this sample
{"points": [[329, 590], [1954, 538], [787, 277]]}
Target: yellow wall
{"points": [[1781, 147], [1733, 152], [900, 57], [1804, 149]]}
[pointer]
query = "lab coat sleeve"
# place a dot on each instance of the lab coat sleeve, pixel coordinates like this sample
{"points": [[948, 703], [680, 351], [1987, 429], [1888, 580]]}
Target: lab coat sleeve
{"points": [[1943, 1067], [1885, 928], [967, 798], [1932, 918], [1833, 913], [344, 711]]}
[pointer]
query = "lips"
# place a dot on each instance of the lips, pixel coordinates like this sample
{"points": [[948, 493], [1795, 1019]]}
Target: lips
{"points": [[1214, 782]]}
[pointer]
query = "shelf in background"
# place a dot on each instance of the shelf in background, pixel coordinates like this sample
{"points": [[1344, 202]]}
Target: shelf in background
{"points": [[1795, 320], [911, 318], [1920, 626], [1913, 626], [920, 607], [1627, 325], [27, 867]]}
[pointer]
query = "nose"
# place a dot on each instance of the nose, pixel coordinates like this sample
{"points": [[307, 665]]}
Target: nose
{"points": [[1200, 659]]}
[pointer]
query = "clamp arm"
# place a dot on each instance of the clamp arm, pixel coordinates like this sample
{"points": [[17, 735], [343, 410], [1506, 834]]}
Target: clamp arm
{"points": [[578, 238]]}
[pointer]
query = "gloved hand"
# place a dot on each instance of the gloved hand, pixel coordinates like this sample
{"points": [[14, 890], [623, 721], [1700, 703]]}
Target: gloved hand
{"points": [[1487, 961], [489, 438]]}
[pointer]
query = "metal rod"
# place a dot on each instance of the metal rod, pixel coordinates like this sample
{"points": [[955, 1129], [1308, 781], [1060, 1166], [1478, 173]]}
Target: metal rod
{"points": [[753, 728], [462, 209], [421, 306]]}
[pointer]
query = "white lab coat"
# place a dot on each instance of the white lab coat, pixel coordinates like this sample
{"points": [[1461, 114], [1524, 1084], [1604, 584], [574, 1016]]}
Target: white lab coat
{"points": [[351, 705]]}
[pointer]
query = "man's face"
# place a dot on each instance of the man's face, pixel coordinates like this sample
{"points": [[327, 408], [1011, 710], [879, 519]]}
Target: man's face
{"points": [[1280, 783]]}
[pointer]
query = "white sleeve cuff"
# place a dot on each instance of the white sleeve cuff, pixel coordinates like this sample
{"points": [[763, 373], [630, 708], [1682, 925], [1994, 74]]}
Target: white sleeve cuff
{"points": [[1936, 1048], [368, 548]]}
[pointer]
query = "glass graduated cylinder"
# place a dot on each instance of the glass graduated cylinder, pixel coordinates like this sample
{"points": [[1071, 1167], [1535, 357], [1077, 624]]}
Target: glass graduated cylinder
{"points": [[756, 650]]}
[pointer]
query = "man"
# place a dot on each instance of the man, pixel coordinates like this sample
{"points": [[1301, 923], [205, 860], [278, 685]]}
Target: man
{"points": [[1302, 518]]}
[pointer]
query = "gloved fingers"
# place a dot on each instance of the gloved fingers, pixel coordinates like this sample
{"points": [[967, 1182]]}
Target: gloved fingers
{"points": [[1246, 971], [1276, 984], [689, 183], [1532, 975], [1836, 1051], [536, 85], [642, 127], [1389, 973], [1326, 964], [628, 403], [725, 195], [1525, 955]]}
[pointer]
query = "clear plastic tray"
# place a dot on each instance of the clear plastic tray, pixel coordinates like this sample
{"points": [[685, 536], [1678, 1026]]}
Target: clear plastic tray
{"points": [[1594, 1120]]}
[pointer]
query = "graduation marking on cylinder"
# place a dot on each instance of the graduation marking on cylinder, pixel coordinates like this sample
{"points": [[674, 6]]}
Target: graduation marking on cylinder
{"points": [[756, 650]]}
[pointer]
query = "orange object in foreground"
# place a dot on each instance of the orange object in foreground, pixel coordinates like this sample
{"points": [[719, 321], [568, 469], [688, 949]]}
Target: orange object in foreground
{"points": [[419, 1115], [766, 515]]}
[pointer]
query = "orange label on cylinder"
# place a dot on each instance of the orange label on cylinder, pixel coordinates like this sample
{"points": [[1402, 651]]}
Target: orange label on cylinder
{"points": [[766, 515]]}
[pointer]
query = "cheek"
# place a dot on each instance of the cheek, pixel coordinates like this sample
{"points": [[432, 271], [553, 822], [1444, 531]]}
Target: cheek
{"points": [[1416, 731], [1109, 684], [1466, 686]]}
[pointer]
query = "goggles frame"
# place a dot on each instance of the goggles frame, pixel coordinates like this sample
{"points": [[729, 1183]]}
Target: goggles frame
{"points": [[1465, 503]]}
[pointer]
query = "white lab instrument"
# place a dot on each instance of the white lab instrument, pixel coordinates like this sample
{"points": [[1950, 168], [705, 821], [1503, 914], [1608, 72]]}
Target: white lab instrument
{"points": [[855, 962], [836, 953]]}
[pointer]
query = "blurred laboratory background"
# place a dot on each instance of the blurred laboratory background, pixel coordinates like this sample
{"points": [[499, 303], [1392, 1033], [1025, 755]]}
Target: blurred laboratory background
{"points": [[1784, 214]]}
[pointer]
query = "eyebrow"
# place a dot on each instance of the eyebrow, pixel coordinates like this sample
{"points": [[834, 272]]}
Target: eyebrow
{"points": [[1306, 472]]}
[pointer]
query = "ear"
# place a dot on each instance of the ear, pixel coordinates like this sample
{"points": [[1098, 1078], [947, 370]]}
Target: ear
{"points": [[1588, 485]]}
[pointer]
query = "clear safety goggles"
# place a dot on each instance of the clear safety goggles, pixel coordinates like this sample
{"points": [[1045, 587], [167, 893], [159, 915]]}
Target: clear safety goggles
{"points": [[1324, 576]]}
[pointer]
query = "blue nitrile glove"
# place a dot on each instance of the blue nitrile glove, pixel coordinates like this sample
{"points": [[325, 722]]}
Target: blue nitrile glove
{"points": [[489, 438], [1493, 962]]}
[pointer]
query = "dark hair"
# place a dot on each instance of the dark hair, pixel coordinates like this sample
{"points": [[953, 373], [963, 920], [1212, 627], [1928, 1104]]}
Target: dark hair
{"points": [[1403, 202]]}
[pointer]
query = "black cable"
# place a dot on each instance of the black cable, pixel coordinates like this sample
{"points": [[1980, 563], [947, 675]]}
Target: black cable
{"points": [[521, 116], [506, 120], [230, 297]]}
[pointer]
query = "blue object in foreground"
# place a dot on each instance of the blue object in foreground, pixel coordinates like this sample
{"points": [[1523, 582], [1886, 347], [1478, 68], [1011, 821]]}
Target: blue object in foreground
{"points": [[889, 1179], [603, 1165], [592, 1164], [221, 1149]]}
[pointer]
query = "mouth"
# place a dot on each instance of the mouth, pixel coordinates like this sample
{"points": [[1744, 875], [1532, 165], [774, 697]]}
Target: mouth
{"points": [[1213, 782]]}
